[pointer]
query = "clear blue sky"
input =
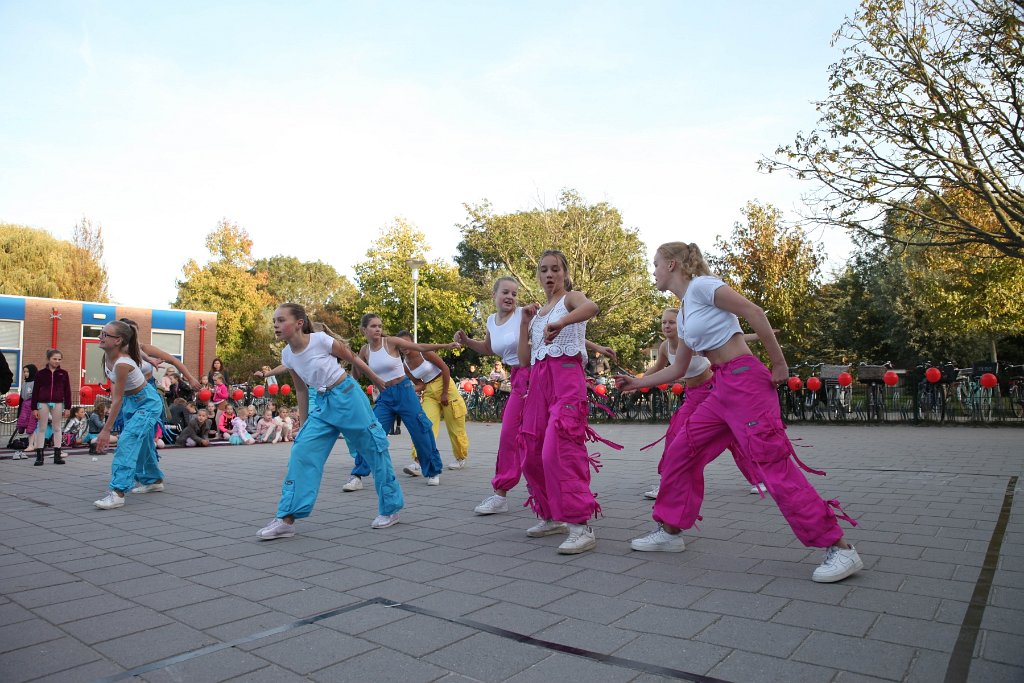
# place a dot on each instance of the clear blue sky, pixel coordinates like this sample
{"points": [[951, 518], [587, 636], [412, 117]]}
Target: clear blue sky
{"points": [[315, 124]]}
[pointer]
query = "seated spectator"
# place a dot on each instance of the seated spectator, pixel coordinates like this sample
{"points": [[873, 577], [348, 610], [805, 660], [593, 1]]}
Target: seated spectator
{"points": [[97, 419], [225, 414], [76, 428], [239, 434], [251, 419], [197, 431], [181, 411], [267, 428]]}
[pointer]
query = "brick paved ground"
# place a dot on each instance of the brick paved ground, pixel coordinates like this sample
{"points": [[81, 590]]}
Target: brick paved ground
{"points": [[87, 594]]}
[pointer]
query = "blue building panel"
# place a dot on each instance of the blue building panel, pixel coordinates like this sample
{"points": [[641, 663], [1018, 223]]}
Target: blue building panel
{"points": [[12, 307], [98, 314], [168, 320]]}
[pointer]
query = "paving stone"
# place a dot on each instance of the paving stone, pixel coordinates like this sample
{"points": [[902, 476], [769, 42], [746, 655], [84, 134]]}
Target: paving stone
{"points": [[602, 583], [214, 612], [109, 623], [515, 618], [740, 604], [317, 649], [528, 593], [858, 655], [310, 601], [915, 632], [55, 594], [44, 659], [368, 666], [888, 602], [27, 633], [269, 587], [587, 635], [217, 666], [569, 669], [418, 635], [666, 621], [153, 645], [843, 620], [1004, 648], [750, 667], [93, 671], [756, 636], [682, 654], [486, 657]]}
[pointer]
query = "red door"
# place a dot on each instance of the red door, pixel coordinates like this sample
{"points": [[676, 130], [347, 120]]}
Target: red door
{"points": [[92, 369]]}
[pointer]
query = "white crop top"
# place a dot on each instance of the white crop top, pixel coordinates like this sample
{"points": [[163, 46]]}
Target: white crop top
{"points": [[386, 366], [707, 326], [425, 371], [505, 337], [698, 363], [314, 364], [571, 339], [135, 377]]}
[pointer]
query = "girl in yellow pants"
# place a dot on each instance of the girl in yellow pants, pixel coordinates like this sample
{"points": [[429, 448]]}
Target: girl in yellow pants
{"points": [[441, 400]]}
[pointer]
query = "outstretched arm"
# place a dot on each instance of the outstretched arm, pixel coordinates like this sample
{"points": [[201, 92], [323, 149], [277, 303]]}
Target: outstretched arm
{"points": [[342, 351], [606, 350], [154, 352], [481, 347]]}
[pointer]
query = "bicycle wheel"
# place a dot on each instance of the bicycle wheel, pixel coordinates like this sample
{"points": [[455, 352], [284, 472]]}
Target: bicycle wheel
{"points": [[932, 404], [1017, 400], [876, 402], [987, 399], [8, 414]]}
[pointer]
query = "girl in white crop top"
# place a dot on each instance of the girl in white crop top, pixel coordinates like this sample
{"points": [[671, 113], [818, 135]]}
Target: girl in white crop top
{"points": [[152, 356], [141, 407], [440, 399], [742, 405]]}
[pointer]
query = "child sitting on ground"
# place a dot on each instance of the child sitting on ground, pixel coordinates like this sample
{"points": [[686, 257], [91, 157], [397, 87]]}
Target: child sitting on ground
{"points": [[197, 431], [225, 414], [76, 428], [239, 434], [286, 423]]}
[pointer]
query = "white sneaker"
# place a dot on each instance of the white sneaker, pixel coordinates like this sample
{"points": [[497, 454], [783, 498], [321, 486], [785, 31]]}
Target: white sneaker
{"points": [[434, 480], [652, 494], [838, 564], [413, 469], [546, 527], [354, 484], [758, 488], [659, 540], [276, 529], [110, 501], [149, 488], [492, 505], [458, 464], [384, 521], [18, 455], [581, 539]]}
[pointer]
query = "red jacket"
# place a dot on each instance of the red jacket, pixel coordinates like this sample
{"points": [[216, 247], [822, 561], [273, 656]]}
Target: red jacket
{"points": [[52, 387]]}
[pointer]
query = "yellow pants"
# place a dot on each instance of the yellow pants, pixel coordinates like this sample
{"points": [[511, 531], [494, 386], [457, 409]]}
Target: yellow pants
{"points": [[453, 414]]}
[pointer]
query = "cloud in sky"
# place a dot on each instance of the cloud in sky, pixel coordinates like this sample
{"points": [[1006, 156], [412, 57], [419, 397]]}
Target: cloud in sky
{"points": [[315, 126]]}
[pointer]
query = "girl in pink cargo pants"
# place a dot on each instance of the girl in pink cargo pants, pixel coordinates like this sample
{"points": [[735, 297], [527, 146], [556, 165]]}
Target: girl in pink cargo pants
{"points": [[743, 407], [556, 465], [503, 340]]}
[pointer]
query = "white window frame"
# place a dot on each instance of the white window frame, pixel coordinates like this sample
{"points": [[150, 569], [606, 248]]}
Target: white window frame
{"points": [[17, 350], [179, 333]]}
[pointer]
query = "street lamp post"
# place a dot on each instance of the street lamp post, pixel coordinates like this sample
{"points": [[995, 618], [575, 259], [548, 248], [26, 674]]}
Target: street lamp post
{"points": [[415, 264]]}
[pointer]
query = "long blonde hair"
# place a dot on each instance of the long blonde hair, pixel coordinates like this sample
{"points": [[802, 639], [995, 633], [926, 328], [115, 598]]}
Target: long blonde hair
{"points": [[691, 261]]}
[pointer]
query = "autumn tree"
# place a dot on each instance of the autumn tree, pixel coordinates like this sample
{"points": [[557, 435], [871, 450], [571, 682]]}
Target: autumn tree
{"points": [[926, 100], [777, 267], [35, 263], [445, 301], [326, 295], [607, 261], [227, 285]]}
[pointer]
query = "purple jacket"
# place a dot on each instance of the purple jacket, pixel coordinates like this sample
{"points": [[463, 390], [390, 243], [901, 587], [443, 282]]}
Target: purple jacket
{"points": [[52, 387]]}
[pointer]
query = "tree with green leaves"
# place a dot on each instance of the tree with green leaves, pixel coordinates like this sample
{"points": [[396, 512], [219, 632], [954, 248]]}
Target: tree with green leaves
{"points": [[327, 296], [227, 285], [926, 100], [778, 268], [35, 263], [445, 301], [607, 261]]}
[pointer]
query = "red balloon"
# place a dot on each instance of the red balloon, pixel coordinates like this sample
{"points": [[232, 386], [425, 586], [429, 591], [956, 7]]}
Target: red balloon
{"points": [[369, 390], [795, 384], [488, 390], [845, 379], [272, 389], [988, 380], [85, 394], [285, 390], [258, 390], [467, 386], [813, 383], [13, 400], [891, 379], [662, 387], [677, 389], [205, 395], [601, 390], [644, 390], [933, 375], [237, 395]]}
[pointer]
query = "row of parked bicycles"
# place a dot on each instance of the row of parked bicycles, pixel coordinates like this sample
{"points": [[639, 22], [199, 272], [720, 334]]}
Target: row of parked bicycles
{"points": [[823, 392]]}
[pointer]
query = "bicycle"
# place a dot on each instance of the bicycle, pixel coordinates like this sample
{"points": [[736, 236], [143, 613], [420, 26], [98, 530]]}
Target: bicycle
{"points": [[1015, 389], [979, 400], [931, 396], [873, 377], [838, 399], [791, 402], [8, 413]]}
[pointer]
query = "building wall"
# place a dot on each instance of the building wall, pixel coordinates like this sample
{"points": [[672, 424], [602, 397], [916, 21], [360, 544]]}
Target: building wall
{"points": [[37, 331]]}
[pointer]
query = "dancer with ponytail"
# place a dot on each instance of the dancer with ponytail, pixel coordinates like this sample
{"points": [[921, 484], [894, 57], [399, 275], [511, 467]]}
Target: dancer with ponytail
{"points": [[312, 358], [398, 397], [743, 407], [552, 340], [502, 340], [141, 406]]}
